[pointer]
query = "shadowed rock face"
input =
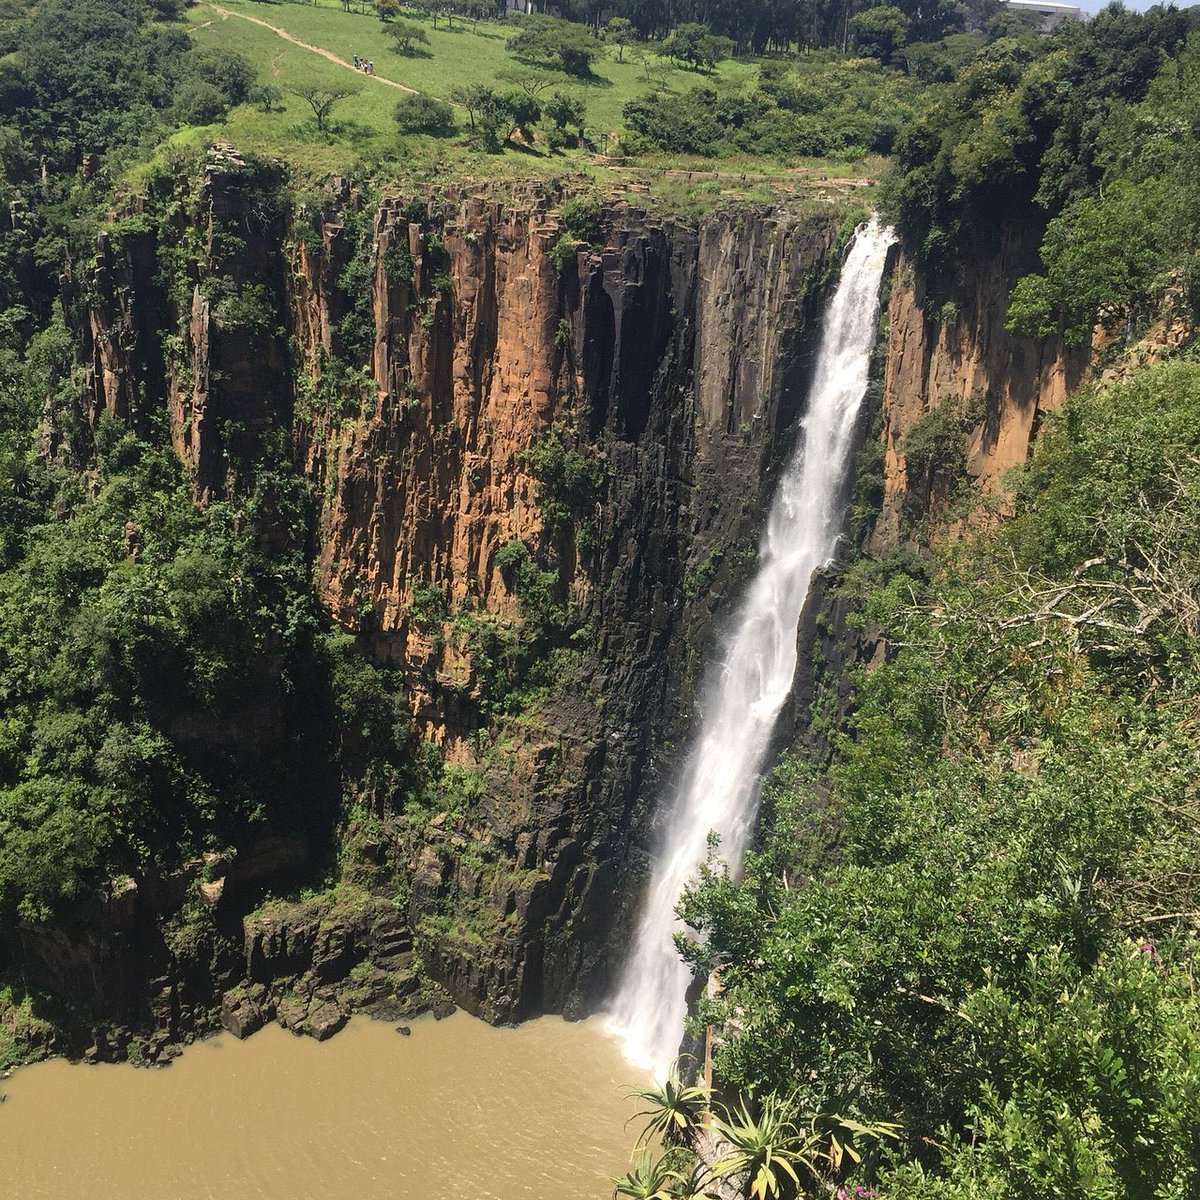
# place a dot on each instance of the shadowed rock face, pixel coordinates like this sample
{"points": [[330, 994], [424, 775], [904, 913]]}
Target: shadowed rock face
{"points": [[672, 358]]}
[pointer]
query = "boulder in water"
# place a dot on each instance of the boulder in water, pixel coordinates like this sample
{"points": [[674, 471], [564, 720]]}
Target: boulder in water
{"points": [[325, 1019]]}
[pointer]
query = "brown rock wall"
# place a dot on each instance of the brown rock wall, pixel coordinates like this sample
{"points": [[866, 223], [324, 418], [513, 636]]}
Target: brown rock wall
{"points": [[673, 358], [953, 347]]}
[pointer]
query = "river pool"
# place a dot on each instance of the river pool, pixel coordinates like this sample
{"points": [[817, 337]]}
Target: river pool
{"points": [[456, 1111]]}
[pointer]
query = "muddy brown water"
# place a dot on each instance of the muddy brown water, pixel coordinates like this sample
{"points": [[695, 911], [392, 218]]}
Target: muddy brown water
{"points": [[456, 1111]]}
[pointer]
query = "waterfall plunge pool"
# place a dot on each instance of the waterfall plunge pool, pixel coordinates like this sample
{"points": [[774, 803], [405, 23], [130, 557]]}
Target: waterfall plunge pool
{"points": [[456, 1111]]}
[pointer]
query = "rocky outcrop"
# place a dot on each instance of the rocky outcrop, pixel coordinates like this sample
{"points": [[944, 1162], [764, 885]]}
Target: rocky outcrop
{"points": [[170, 958], [310, 965]]}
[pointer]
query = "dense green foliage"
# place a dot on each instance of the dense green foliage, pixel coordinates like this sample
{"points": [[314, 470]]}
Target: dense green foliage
{"points": [[1093, 128], [999, 955], [423, 114], [1117, 247], [840, 108], [548, 42], [760, 26], [136, 629], [86, 77]]}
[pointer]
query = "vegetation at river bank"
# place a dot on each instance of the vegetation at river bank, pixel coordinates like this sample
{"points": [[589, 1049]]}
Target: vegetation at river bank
{"points": [[999, 954]]}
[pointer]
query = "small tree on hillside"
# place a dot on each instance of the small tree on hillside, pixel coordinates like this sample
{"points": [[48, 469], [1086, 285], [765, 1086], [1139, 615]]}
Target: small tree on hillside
{"points": [[532, 83], [523, 112], [267, 96], [656, 71], [487, 114], [619, 31], [879, 32], [321, 100], [697, 46], [448, 10], [548, 42], [564, 110], [472, 97], [407, 36], [387, 9]]}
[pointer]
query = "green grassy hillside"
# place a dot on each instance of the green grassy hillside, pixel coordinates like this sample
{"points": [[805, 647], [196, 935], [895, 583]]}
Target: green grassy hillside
{"points": [[314, 45]]}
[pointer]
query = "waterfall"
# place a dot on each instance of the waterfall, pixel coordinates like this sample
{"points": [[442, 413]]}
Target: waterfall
{"points": [[719, 787]]}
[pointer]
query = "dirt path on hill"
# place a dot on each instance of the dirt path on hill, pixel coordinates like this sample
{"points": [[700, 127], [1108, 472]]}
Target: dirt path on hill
{"points": [[225, 14]]}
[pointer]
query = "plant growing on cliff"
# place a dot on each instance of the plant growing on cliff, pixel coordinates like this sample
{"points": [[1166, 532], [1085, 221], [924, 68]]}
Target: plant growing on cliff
{"points": [[570, 482], [563, 252], [533, 586], [765, 1150], [650, 1179], [935, 446], [583, 216]]}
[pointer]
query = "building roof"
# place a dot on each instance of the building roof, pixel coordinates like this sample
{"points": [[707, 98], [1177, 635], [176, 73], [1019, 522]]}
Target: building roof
{"points": [[1044, 6]]}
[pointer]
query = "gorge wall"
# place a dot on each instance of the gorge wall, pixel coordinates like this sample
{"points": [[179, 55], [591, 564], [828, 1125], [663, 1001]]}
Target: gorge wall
{"points": [[948, 351], [539, 431], [958, 401]]}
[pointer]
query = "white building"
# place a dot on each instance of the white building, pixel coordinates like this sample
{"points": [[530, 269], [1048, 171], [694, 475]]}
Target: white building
{"points": [[1049, 14]]}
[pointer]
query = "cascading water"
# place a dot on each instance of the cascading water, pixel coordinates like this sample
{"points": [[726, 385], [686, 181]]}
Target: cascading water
{"points": [[720, 783]]}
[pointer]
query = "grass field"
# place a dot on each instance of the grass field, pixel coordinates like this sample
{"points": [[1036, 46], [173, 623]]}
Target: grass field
{"points": [[365, 136]]}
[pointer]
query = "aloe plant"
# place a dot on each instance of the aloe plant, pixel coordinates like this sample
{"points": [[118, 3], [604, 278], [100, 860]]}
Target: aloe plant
{"points": [[673, 1111], [765, 1149], [649, 1180]]}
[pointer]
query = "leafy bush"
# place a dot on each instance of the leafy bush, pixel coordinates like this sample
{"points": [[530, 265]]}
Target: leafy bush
{"points": [[697, 46], [1022, 121], [232, 74], [549, 42], [934, 448], [267, 97], [1111, 254], [843, 108], [424, 114], [199, 103]]}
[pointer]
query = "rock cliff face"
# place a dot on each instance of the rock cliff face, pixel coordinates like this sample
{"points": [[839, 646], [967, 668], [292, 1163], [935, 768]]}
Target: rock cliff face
{"points": [[539, 434], [954, 354], [613, 407]]}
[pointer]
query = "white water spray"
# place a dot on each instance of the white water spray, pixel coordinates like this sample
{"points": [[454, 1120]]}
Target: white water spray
{"points": [[720, 783]]}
